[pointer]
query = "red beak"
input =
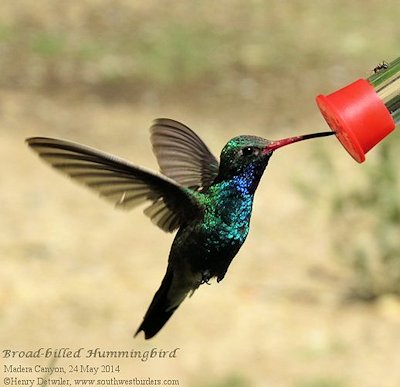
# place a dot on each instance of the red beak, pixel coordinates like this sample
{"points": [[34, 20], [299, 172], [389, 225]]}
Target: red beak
{"points": [[290, 140]]}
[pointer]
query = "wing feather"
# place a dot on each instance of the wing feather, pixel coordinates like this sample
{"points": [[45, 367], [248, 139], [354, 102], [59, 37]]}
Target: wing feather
{"points": [[182, 155], [120, 182]]}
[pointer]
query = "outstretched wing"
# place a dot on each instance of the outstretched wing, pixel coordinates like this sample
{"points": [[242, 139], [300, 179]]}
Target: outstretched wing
{"points": [[120, 182], [182, 155]]}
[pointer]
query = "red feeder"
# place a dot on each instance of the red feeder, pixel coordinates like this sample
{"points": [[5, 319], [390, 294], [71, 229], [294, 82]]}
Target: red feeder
{"points": [[364, 112]]}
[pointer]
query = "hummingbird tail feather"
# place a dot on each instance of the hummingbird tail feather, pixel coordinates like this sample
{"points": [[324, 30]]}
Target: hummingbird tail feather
{"points": [[161, 308]]}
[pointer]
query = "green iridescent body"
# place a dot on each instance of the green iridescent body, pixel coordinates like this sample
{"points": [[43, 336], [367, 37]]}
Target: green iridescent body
{"points": [[209, 242]]}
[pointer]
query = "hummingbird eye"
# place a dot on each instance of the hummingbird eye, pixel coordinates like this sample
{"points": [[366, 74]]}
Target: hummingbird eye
{"points": [[249, 151]]}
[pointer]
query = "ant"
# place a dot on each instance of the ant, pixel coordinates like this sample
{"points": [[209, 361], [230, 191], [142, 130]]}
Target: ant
{"points": [[381, 66]]}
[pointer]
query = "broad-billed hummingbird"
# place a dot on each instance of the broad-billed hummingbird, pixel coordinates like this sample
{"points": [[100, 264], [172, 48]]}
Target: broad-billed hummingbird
{"points": [[209, 203]]}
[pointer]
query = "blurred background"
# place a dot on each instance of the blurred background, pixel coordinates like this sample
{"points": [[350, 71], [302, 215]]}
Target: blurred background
{"points": [[312, 299]]}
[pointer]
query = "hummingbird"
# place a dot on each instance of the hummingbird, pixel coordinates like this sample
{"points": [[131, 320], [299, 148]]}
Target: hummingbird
{"points": [[208, 202]]}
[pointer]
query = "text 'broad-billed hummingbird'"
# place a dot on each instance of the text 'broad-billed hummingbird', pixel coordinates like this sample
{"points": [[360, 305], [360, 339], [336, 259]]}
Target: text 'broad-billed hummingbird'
{"points": [[208, 202]]}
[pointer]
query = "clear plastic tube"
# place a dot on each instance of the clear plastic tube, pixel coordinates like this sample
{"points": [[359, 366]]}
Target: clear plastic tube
{"points": [[386, 82]]}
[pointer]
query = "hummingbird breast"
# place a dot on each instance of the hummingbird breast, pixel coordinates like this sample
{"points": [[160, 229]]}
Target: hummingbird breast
{"points": [[209, 243]]}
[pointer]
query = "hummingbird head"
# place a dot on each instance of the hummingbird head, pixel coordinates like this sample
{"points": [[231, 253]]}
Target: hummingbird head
{"points": [[248, 156], [243, 153]]}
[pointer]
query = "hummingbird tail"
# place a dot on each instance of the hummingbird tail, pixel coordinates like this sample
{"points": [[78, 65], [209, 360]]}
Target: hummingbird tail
{"points": [[161, 308]]}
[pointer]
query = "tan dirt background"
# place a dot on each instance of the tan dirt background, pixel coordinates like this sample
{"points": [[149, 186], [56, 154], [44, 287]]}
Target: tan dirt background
{"points": [[76, 273]]}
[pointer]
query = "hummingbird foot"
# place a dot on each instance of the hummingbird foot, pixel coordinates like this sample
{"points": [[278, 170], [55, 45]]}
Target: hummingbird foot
{"points": [[220, 278], [205, 277]]}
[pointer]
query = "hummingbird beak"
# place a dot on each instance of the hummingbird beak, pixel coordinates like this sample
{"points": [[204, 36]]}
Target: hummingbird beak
{"points": [[273, 145]]}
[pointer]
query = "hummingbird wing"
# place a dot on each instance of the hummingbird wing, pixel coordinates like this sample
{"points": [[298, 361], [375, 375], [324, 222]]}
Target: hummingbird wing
{"points": [[119, 181], [182, 155]]}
